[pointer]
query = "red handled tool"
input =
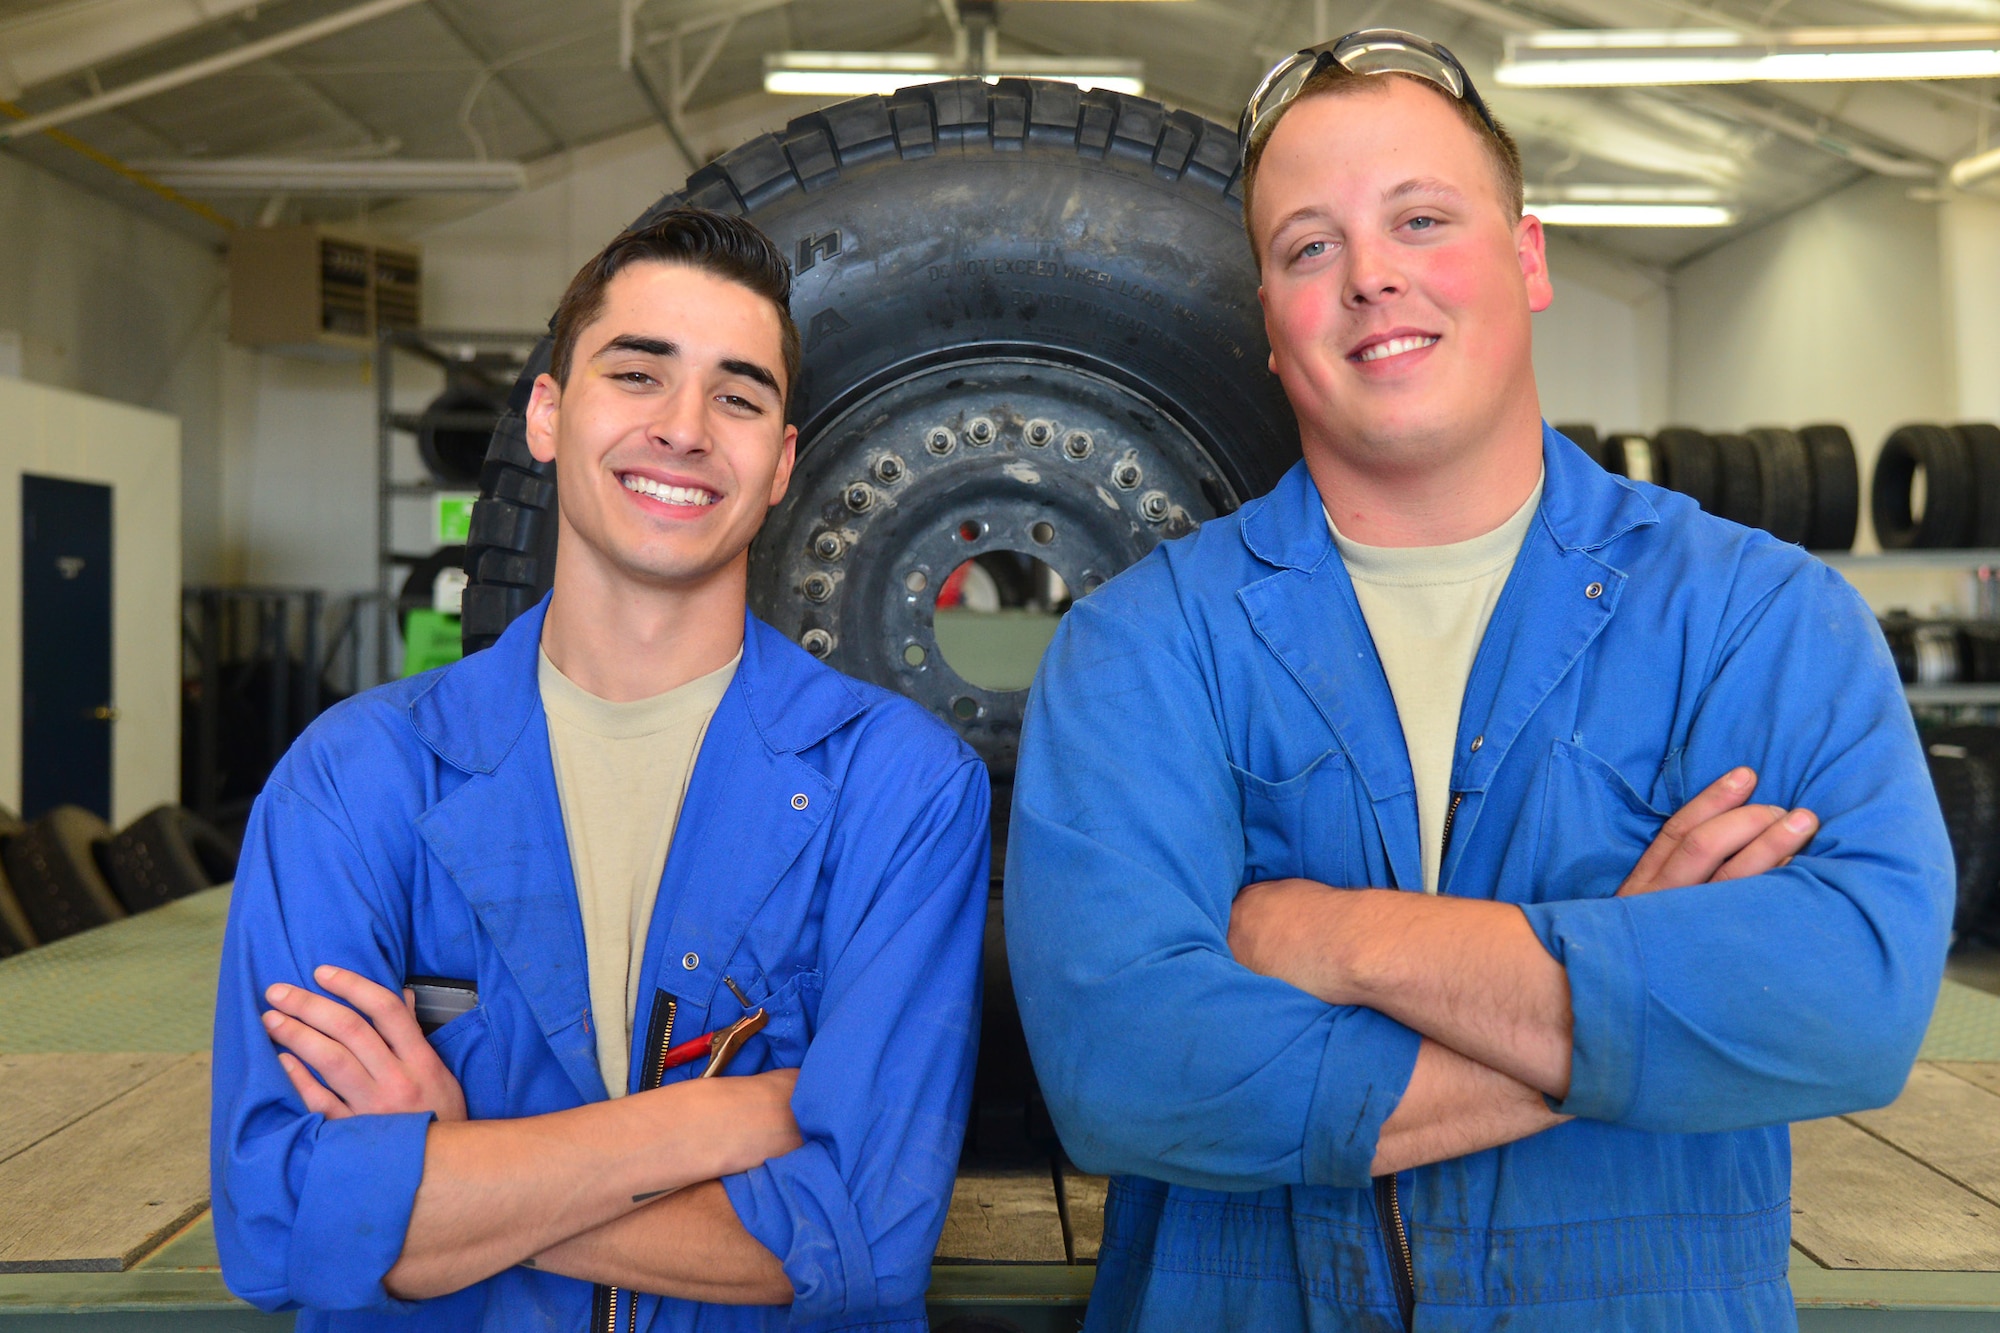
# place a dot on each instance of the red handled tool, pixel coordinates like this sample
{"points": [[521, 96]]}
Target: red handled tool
{"points": [[721, 1045]]}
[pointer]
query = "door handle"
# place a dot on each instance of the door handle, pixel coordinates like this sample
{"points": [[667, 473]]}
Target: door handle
{"points": [[104, 713]]}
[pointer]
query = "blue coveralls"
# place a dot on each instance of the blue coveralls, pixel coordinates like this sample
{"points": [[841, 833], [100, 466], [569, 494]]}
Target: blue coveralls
{"points": [[1218, 716], [831, 858]]}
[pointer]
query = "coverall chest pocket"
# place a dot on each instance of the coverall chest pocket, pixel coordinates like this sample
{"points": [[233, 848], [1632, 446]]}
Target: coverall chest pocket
{"points": [[1594, 827], [464, 1045], [1298, 827], [794, 1011]]}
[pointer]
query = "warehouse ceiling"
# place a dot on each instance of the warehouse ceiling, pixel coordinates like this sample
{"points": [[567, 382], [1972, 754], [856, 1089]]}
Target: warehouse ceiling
{"points": [[527, 81]]}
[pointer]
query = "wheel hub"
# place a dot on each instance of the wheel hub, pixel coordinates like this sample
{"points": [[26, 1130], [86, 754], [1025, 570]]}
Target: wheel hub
{"points": [[995, 455]]}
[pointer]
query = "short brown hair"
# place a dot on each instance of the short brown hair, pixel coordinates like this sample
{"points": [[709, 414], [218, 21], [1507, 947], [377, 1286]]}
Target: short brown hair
{"points": [[699, 238], [1337, 80]]}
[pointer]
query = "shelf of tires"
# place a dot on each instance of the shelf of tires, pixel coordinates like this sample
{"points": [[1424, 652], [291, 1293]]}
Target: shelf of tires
{"points": [[1799, 485], [1803, 486], [451, 436], [68, 871]]}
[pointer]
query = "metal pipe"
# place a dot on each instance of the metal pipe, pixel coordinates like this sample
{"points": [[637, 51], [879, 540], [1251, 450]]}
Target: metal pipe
{"points": [[201, 69], [1971, 170]]}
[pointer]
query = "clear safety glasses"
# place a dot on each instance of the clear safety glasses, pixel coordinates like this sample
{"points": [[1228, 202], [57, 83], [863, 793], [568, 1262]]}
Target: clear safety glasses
{"points": [[1370, 51]]}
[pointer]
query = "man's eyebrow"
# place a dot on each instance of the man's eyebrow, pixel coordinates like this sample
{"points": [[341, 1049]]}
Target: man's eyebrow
{"points": [[1426, 185], [750, 370], [639, 342], [1303, 212]]}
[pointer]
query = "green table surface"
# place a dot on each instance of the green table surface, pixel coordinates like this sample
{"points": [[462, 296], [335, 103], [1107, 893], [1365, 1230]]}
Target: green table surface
{"points": [[147, 984]]}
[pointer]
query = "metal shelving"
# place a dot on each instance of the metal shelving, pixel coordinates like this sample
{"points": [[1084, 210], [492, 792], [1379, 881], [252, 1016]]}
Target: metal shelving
{"points": [[1968, 694], [489, 357], [1968, 559]]}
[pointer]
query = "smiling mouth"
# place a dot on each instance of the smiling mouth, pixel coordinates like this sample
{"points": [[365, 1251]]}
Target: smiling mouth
{"points": [[665, 494], [1395, 347]]}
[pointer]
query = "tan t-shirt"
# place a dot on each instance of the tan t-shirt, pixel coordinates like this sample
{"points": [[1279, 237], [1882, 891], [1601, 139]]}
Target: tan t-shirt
{"points": [[1427, 608], [622, 771]]}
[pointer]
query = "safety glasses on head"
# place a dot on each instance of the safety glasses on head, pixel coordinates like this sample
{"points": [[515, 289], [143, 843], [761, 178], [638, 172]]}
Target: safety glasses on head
{"points": [[1369, 51]]}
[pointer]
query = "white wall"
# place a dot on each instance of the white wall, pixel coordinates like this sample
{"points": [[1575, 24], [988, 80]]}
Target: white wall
{"points": [[108, 302], [53, 432], [1601, 350], [1835, 313], [1969, 239]]}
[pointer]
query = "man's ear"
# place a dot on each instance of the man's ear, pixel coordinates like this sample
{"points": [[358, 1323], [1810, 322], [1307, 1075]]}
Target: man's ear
{"points": [[781, 480], [544, 408], [1531, 248]]}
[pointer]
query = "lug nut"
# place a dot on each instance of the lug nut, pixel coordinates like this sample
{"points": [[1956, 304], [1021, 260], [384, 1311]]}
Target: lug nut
{"points": [[1153, 504], [1077, 444], [888, 469], [817, 642], [818, 587], [1040, 431], [829, 546], [860, 497], [1127, 474], [940, 441], [980, 430]]}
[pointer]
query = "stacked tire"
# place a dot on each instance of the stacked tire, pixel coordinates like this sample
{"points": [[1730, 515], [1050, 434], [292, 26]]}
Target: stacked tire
{"points": [[1965, 768], [1801, 486], [68, 871], [1960, 467]]}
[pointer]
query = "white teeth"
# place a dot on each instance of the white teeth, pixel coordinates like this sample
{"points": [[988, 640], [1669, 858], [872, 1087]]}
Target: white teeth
{"points": [[673, 495], [1395, 347]]}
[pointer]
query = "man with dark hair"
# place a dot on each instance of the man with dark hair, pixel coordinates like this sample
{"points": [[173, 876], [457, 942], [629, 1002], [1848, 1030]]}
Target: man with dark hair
{"points": [[495, 924], [1543, 1080]]}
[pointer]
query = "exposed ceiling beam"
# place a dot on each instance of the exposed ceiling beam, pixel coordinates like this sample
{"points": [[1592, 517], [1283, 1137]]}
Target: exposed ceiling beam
{"points": [[195, 71], [498, 70], [54, 43]]}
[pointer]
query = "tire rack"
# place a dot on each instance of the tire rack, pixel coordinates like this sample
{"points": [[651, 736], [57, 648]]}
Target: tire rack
{"points": [[493, 357], [226, 626], [1982, 695]]}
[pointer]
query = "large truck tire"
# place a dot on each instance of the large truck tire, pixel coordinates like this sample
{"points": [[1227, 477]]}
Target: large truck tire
{"points": [[1982, 446], [1739, 485], [1784, 469], [167, 853], [1836, 487], [1965, 768], [1031, 325], [1949, 514], [1687, 461], [52, 866]]}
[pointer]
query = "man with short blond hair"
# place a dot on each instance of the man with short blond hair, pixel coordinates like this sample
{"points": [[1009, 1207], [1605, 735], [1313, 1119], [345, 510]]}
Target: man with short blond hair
{"points": [[1349, 926]]}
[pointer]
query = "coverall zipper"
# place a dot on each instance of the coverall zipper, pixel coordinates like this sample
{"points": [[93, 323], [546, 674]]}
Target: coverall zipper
{"points": [[606, 1302], [1388, 1203], [1389, 1209]]}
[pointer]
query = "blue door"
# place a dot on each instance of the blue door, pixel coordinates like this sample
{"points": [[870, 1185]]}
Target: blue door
{"points": [[66, 705]]}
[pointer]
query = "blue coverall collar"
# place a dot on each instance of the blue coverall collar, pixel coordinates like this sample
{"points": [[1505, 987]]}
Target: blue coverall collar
{"points": [[474, 712], [1584, 508]]}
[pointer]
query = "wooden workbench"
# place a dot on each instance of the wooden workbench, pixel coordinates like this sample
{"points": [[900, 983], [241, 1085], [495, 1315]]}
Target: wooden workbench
{"points": [[104, 1186]]}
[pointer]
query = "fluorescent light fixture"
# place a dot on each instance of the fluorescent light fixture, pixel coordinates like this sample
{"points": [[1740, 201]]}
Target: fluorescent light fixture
{"points": [[361, 176], [1560, 213], [1625, 194], [853, 73], [1615, 57]]}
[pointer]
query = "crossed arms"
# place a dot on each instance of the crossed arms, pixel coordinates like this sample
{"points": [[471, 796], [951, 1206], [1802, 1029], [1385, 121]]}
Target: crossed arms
{"points": [[1469, 974], [601, 1192], [1190, 1031]]}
